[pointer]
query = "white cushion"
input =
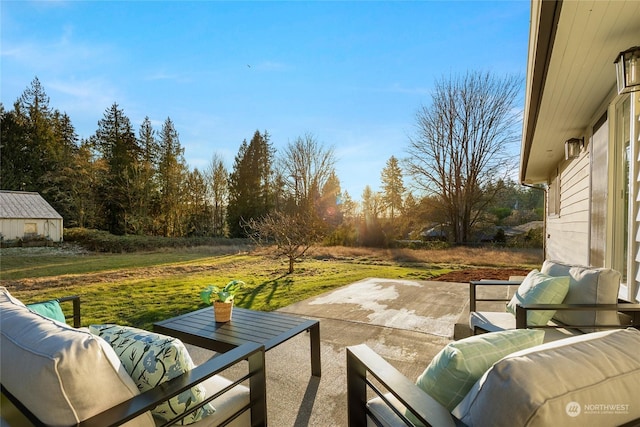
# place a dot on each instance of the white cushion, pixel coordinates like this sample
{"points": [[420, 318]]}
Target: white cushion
{"points": [[494, 321], [587, 286], [384, 413], [565, 382], [61, 374], [227, 404]]}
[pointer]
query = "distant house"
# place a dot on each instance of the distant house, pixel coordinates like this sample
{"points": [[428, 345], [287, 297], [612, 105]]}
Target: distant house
{"points": [[28, 215], [581, 135]]}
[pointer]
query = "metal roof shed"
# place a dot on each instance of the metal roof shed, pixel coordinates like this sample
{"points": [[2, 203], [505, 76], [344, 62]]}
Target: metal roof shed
{"points": [[28, 215]]}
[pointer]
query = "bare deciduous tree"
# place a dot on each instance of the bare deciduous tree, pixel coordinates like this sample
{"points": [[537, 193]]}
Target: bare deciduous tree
{"points": [[462, 145], [292, 234], [306, 167]]}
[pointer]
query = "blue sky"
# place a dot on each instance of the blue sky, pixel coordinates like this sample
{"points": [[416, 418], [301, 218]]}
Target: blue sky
{"points": [[352, 74]]}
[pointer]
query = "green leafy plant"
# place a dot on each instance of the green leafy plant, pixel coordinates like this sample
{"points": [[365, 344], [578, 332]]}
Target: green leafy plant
{"points": [[214, 293]]}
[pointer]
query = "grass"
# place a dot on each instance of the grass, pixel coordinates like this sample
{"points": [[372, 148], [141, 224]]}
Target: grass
{"points": [[141, 288]]}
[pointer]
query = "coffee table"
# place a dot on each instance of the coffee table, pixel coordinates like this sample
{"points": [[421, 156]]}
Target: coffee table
{"points": [[199, 328]]}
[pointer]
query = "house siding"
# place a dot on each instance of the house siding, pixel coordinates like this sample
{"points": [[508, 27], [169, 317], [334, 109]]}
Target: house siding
{"points": [[568, 231], [12, 229]]}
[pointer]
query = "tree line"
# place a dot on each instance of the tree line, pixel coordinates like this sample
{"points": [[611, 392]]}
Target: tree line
{"points": [[129, 181]]}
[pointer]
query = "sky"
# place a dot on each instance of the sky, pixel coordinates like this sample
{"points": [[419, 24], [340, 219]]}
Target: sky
{"points": [[351, 74]]}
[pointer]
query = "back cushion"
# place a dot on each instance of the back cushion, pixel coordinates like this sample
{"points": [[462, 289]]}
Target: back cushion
{"points": [[590, 379], [63, 375], [587, 286]]}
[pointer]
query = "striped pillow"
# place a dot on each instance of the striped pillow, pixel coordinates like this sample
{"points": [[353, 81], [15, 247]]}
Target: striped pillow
{"points": [[456, 368], [539, 288]]}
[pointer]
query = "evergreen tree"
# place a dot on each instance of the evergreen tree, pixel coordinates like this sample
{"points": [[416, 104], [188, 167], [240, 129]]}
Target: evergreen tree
{"points": [[15, 152], [218, 191], [197, 208], [392, 186], [31, 142], [149, 197], [58, 185], [118, 145], [250, 183], [172, 173]]}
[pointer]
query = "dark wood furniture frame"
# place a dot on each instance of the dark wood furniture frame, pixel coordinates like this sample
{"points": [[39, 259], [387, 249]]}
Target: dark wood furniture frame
{"points": [[129, 409], [367, 371], [631, 311], [267, 328], [363, 367]]}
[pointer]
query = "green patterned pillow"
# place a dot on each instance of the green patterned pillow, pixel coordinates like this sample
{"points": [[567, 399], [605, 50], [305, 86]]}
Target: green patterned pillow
{"points": [[539, 288], [457, 367], [151, 359]]}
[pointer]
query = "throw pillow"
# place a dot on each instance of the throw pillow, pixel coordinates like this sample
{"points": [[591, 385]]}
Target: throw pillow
{"points": [[49, 309], [588, 380], [539, 288], [587, 286], [456, 368], [152, 359], [63, 375]]}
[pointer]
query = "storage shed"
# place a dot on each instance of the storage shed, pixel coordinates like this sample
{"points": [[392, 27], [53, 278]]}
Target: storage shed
{"points": [[28, 215]]}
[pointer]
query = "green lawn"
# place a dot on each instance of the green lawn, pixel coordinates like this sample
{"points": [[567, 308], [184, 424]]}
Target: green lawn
{"points": [[141, 288]]}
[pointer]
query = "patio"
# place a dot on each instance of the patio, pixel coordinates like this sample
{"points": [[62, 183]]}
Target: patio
{"points": [[406, 322]]}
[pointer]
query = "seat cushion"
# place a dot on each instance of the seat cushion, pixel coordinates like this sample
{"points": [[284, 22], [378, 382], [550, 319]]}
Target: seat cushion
{"points": [[61, 374], [587, 286], [492, 321], [455, 369], [539, 288], [227, 404], [151, 359], [591, 379]]}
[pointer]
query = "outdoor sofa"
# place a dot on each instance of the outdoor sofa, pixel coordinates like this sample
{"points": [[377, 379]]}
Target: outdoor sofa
{"points": [[565, 300], [507, 378], [58, 375]]}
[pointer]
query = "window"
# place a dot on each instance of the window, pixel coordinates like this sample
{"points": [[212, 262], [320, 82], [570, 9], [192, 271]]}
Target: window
{"points": [[553, 196], [30, 229]]}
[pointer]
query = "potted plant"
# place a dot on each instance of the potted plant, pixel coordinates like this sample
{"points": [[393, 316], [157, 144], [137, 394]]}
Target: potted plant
{"points": [[221, 299]]}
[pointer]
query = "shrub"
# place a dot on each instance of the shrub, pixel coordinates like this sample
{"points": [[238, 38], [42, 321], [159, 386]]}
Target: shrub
{"points": [[102, 241]]}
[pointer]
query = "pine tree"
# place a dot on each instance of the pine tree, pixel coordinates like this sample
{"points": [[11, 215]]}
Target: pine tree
{"points": [[118, 145], [148, 201], [218, 190], [250, 183], [58, 185], [15, 153], [392, 186], [34, 139], [172, 171]]}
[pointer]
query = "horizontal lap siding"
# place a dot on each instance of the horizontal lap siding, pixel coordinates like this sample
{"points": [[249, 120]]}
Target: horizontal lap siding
{"points": [[568, 232]]}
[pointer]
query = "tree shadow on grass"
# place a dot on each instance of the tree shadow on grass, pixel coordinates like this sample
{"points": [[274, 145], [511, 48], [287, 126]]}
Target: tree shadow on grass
{"points": [[266, 289]]}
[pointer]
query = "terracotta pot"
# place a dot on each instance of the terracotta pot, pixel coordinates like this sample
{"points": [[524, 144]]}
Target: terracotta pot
{"points": [[222, 310]]}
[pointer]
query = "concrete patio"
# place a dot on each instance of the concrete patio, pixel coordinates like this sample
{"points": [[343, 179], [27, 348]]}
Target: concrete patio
{"points": [[406, 322]]}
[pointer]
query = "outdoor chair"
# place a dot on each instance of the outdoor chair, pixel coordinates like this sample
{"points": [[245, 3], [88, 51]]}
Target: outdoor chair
{"points": [[564, 300], [507, 378], [55, 374]]}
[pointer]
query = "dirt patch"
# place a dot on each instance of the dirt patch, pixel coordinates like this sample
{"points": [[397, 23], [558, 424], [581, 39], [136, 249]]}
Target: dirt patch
{"points": [[466, 275]]}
